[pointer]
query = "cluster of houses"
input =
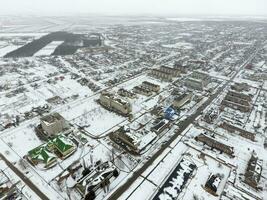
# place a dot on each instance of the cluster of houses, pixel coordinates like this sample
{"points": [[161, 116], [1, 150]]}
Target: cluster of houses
{"points": [[237, 100], [15, 121], [91, 85], [8, 190], [239, 87]]}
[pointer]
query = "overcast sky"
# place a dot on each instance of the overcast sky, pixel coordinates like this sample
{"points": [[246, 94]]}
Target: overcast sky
{"points": [[134, 7]]}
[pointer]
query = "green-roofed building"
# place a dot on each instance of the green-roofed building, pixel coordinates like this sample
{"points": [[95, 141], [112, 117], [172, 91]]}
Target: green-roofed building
{"points": [[63, 146], [41, 155]]}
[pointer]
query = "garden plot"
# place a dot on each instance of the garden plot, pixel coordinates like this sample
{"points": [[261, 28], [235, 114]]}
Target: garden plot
{"points": [[8, 152]]}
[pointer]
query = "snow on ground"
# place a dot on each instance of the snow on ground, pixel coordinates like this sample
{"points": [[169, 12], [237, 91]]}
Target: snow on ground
{"points": [[27, 193], [7, 49], [205, 167], [163, 166], [146, 102], [8, 152], [144, 191], [249, 82], [184, 45], [92, 115], [132, 188], [22, 140], [48, 49], [156, 173]]}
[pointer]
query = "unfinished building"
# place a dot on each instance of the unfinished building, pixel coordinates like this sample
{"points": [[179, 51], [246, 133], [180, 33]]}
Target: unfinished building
{"points": [[215, 144], [181, 100], [234, 129], [111, 102], [151, 86], [142, 90], [133, 142], [240, 87], [126, 93], [239, 95], [238, 101], [160, 74], [175, 72], [180, 67], [253, 172]]}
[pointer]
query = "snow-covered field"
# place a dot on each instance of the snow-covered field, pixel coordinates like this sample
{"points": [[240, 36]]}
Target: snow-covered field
{"points": [[7, 49], [71, 85], [48, 49]]}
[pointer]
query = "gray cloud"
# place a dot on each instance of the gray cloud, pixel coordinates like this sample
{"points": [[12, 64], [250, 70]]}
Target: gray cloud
{"points": [[164, 7]]}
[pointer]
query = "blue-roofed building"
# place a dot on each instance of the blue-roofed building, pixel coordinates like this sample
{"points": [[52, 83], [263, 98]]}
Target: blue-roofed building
{"points": [[170, 113]]}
